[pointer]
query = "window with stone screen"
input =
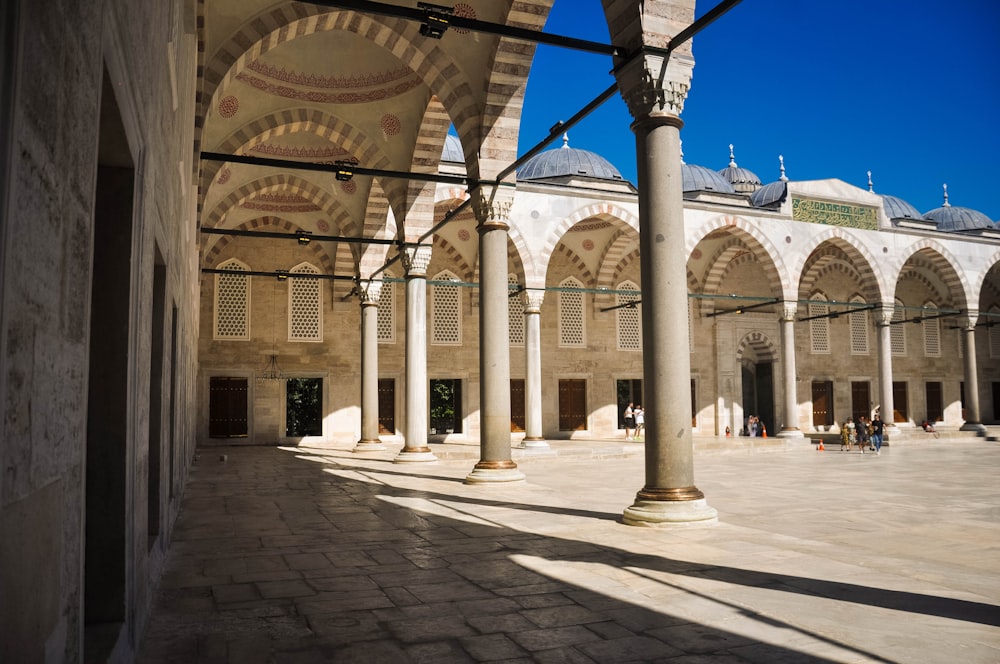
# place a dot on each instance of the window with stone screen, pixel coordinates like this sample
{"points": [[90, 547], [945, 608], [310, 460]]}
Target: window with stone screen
{"points": [[897, 331], [819, 328], [515, 313], [232, 302], [387, 311], [629, 322], [571, 330], [932, 334], [859, 329], [305, 297], [446, 311]]}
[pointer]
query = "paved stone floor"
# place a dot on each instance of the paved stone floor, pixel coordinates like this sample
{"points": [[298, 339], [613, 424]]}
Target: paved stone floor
{"points": [[308, 555]]}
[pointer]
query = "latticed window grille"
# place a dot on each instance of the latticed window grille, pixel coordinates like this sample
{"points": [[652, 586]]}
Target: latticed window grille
{"points": [[897, 333], [446, 312], [932, 335], [571, 329], [515, 314], [819, 328], [859, 331], [232, 302], [629, 321], [305, 298], [387, 311]]}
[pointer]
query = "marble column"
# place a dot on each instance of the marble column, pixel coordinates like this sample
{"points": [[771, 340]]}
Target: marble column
{"points": [[415, 449], [495, 462], [973, 421], [883, 320], [369, 441], [790, 426], [533, 370], [654, 90]]}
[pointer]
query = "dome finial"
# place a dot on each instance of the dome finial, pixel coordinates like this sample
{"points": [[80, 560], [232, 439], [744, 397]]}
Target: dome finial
{"points": [[946, 203], [781, 160], [871, 186], [566, 139], [732, 156]]}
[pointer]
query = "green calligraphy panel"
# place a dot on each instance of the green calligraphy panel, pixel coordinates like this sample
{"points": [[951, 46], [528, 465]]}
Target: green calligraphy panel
{"points": [[834, 214]]}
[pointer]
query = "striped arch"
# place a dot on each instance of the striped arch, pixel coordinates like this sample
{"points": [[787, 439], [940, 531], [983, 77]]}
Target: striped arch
{"points": [[449, 258], [930, 254], [605, 211], [992, 285], [285, 23], [610, 273], [763, 346], [827, 260], [750, 238], [283, 182], [872, 278], [320, 256], [582, 273], [346, 141], [430, 138]]}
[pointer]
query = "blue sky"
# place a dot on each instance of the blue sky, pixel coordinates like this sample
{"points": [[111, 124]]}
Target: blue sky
{"points": [[909, 89]]}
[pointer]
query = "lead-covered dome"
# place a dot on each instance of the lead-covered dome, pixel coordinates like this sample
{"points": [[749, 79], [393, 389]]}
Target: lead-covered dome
{"points": [[897, 208], [567, 161], [950, 219], [744, 181], [699, 178]]}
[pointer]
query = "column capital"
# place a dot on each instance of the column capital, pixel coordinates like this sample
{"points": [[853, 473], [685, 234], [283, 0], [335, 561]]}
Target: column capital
{"points": [[416, 259], [968, 319], [653, 85], [788, 311], [491, 213], [371, 293], [532, 301], [884, 315]]}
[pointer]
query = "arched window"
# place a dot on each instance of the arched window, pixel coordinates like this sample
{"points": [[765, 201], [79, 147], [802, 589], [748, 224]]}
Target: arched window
{"points": [[515, 314], [628, 318], [819, 328], [305, 310], [387, 310], [446, 311], [571, 328], [232, 302], [859, 329], [897, 332], [932, 334]]}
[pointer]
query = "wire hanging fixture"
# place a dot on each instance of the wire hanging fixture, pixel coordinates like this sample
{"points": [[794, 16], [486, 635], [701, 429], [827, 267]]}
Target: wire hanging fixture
{"points": [[272, 371]]}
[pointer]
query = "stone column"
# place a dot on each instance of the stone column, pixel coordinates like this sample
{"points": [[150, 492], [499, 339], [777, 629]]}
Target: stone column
{"points": [[882, 321], [495, 463], [973, 421], [790, 427], [369, 441], [415, 261], [654, 91], [533, 370]]}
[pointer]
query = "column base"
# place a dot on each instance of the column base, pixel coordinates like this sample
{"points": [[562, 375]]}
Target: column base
{"points": [[974, 426], [534, 443], [415, 455], [369, 446], [494, 476], [670, 513], [791, 433]]}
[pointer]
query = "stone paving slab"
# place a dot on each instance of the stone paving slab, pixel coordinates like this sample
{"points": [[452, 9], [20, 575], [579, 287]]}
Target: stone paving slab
{"points": [[322, 555]]}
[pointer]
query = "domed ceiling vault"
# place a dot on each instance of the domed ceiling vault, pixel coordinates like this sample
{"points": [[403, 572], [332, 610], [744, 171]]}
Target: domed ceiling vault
{"points": [[301, 82]]}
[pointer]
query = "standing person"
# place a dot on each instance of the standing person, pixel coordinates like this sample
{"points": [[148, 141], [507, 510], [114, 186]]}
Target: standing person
{"points": [[629, 420], [878, 429], [640, 420], [848, 435], [864, 433]]}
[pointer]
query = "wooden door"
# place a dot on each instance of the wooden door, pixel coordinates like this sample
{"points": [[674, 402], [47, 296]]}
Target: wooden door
{"points": [[517, 404], [822, 400], [387, 406], [227, 407], [860, 399], [572, 405]]}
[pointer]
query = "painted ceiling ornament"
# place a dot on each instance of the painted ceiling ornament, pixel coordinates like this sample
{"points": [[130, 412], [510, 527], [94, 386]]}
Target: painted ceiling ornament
{"points": [[391, 124], [322, 225], [464, 235], [349, 186], [588, 244], [224, 175], [228, 106], [465, 11]]}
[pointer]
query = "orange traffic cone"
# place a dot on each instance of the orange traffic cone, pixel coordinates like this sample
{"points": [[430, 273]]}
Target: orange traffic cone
{"points": [[764, 430], [820, 448]]}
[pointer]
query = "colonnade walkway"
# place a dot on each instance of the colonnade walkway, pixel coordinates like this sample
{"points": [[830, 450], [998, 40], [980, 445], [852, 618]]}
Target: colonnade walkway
{"points": [[308, 555]]}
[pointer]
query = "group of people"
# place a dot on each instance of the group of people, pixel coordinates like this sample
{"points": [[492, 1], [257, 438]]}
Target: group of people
{"points": [[865, 434], [635, 421], [754, 428]]}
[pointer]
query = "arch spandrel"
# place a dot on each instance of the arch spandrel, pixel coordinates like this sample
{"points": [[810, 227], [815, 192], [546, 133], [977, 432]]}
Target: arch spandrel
{"points": [[211, 255], [929, 254], [862, 259], [739, 232], [988, 281]]}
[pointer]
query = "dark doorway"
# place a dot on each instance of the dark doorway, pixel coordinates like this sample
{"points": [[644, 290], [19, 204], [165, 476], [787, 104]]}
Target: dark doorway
{"points": [[227, 407], [900, 406], [758, 392], [861, 403], [935, 401], [303, 407], [822, 400], [573, 405], [157, 397], [446, 406], [387, 406], [517, 404], [628, 391]]}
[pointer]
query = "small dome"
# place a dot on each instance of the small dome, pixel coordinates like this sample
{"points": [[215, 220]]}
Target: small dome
{"points": [[567, 161], [699, 178], [950, 219], [770, 194], [897, 208], [744, 181], [452, 149]]}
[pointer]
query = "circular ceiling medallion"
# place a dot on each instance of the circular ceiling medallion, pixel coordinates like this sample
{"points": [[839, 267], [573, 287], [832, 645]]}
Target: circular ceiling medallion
{"points": [[390, 124], [349, 187], [696, 254], [322, 225], [466, 11], [224, 175], [228, 106], [588, 244], [463, 235]]}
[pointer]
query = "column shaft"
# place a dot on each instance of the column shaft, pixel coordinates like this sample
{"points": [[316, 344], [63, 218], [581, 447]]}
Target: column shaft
{"points": [[369, 378], [790, 426], [416, 400], [885, 367], [533, 377], [972, 414]]}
